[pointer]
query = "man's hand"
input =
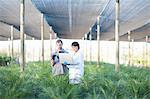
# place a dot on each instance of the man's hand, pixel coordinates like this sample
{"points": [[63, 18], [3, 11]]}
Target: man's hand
{"points": [[52, 62]]}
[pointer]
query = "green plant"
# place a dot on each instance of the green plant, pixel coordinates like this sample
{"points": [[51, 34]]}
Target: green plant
{"points": [[98, 83], [5, 60]]}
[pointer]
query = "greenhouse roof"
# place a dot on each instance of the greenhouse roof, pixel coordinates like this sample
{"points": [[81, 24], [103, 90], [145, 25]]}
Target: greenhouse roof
{"points": [[71, 19], [9, 14]]}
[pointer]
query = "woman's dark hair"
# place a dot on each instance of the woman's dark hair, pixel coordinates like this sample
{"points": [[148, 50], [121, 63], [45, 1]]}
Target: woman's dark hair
{"points": [[76, 44], [59, 41]]}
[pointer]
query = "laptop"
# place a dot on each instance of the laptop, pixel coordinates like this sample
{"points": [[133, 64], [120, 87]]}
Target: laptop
{"points": [[65, 57]]}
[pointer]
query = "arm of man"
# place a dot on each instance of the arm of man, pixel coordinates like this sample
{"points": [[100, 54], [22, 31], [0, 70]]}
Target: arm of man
{"points": [[52, 62]]}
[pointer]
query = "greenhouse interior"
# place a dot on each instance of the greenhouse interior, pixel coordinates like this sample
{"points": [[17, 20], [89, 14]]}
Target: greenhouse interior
{"points": [[74, 49]]}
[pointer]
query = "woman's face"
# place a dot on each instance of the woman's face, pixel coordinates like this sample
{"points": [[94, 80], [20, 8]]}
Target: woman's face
{"points": [[74, 48]]}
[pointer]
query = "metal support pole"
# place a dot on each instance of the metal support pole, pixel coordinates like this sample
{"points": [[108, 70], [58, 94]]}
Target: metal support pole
{"points": [[146, 52], [33, 49], [129, 48], [56, 36], [132, 55], [25, 36], [25, 52], [98, 41], [83, 46], [148, 49], [143, 55], [12, 38], [117, 34], [42, 36], [86, 47], [50, 40], [8, 46], [90, 37], [18, 50], [22, 12]]}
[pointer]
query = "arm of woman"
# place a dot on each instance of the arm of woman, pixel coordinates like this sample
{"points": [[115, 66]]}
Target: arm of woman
{"points": [[77, 61]]}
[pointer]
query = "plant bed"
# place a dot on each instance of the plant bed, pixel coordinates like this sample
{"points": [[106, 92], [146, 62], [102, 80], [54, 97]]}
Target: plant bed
{"points": [[98, 83]]}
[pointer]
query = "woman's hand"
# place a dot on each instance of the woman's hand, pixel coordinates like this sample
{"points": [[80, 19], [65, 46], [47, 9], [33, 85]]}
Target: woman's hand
{"points": [[65, 63]]}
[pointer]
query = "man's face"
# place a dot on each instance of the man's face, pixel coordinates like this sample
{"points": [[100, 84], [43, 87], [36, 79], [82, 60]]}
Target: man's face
{"points": [[59, 45]]}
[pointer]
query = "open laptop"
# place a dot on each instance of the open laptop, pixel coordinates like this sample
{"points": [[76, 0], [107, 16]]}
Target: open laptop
{"points": [[65, 57]]}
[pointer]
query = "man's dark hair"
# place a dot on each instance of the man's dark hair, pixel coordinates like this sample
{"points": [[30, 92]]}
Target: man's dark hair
{"points": [[59, 41], [76, 44]]}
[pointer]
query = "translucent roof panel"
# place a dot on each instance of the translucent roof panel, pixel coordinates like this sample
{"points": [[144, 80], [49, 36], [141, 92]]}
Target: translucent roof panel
{"points": [[133, 14], [5, 31], [71, 18], [138, 34], [9, 13]]}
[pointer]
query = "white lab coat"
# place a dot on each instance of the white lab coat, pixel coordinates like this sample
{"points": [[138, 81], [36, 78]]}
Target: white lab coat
{"points": [[76, 71]]}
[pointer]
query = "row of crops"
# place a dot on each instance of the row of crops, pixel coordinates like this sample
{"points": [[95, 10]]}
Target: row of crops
{"points": [[98, 83]]}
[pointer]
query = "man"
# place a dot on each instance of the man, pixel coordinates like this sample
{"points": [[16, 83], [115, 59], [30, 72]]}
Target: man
{"points": [[57, 67]]}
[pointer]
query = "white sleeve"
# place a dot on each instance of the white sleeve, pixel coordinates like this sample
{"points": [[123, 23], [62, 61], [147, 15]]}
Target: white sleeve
{"points": [[78, 61]]}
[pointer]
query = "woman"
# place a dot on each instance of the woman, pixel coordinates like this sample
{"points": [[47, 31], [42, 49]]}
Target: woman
{"points": [[76, 70]]}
